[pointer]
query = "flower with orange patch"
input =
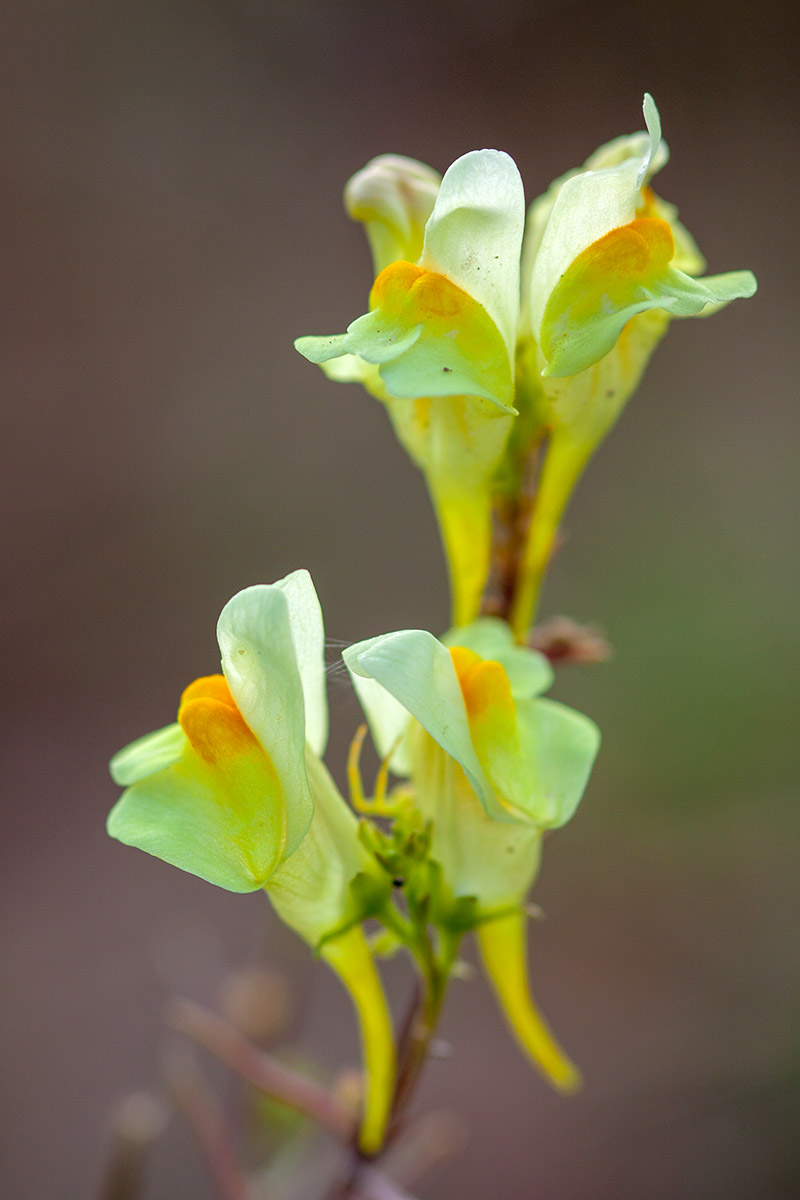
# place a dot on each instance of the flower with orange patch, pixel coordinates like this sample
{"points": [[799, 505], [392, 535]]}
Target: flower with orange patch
{"points": [[491, 766], [437, 346], [235, 792]]}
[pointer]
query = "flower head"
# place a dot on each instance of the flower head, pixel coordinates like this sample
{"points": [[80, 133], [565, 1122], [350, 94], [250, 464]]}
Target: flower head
{"points": [[481, 359], [236, 793], [607, 265], [224, 792], [608, 249], [437, 346], [491, 766]]}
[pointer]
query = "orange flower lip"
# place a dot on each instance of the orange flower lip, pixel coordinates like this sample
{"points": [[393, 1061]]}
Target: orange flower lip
{"points": [[484, 685], [403, 288], [211, 720]]}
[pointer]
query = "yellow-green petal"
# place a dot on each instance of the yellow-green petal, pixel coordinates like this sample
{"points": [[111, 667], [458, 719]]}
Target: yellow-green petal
{"points": [[415, 668], [147, 755], [586, 207], [622, 274], [260, 664], [393, 196], [474, 235], [223, 820]]}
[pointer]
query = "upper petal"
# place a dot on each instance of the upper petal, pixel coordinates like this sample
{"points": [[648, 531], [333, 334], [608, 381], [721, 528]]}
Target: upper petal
{"points": [[474, 234], [588, 205], [308, 634], [415, 668], [261, 665]]}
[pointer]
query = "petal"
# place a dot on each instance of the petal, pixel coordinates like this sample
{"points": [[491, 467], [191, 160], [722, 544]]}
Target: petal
{"points": [[474, 234], [393, 197], [589, 205], [308, 634], [625, 273], [261, 665], [221, 821], [559, 746], [415, 668], [147, 755], [429, 338], [529, 672], [494, 861], [388, 721], [322, 349]]}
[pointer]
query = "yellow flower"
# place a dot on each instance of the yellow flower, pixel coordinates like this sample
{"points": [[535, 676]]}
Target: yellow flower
{"points": [[461, 338], [607, 266], [235, 792], [491, 766], [437, 346]]}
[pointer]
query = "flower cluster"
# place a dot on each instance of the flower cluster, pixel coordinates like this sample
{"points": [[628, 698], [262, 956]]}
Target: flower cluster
{"points": [[236, 792], [491, 335], [493, 340]]}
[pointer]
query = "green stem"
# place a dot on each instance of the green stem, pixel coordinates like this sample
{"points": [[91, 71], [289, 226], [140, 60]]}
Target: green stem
{"points": [[435, 972]]}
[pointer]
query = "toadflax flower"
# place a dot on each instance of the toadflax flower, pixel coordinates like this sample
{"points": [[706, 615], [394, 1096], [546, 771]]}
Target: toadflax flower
{"points": [[437, 346], [460, 339], [235, 792], [607, 265], [492, 766]]}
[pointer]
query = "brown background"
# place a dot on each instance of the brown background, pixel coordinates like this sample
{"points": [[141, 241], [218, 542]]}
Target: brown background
{"points": [[171, 220]]}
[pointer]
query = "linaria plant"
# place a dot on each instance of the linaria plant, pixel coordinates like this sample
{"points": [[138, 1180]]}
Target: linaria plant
{"points": [[504, 346]]}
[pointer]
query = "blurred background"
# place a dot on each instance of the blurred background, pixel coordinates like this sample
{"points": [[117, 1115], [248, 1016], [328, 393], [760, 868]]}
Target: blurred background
{"points": [[171, 220]]}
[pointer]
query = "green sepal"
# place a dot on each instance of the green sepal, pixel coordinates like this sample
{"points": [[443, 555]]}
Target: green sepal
{"points": [[370, 893], [460, 916], [386, 943]]}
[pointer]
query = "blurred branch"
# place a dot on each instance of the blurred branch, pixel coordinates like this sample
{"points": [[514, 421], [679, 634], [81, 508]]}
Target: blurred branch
{"points": [[423, 1143], [260, 1069], [375, 1185], [194, 1099]]}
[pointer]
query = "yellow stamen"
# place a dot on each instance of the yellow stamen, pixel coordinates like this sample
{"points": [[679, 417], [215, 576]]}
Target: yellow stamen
{"points": [[380, 805]]}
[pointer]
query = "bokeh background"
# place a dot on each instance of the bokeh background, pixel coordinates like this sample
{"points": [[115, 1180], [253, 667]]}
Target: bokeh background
{"points": [[171, 219]]}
